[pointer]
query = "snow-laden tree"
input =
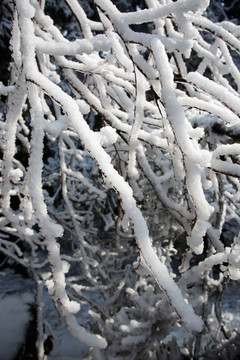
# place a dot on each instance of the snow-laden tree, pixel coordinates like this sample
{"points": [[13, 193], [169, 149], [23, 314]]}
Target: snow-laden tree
{"points": [[120, 168]]}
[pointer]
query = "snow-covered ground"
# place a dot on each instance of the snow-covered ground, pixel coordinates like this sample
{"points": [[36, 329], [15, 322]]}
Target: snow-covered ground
{"points": [[16, 297], [14, 318]]}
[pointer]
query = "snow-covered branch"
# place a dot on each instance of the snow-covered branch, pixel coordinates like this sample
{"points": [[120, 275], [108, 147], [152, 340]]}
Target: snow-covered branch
{"points": [[118, 132]]}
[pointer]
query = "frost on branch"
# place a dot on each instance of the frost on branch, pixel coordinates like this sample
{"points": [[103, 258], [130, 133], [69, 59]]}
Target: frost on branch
{"points": [[117, 144]]}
